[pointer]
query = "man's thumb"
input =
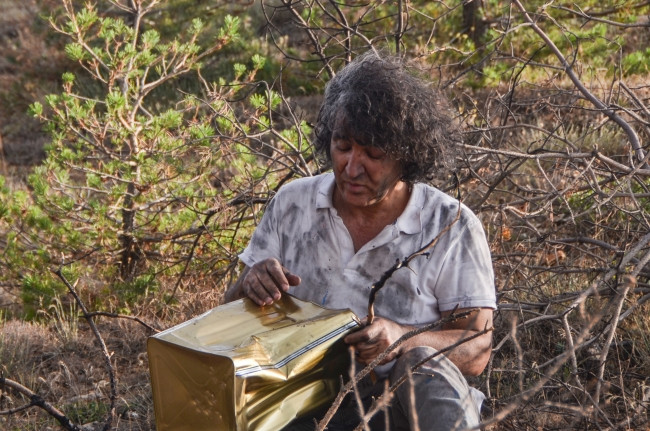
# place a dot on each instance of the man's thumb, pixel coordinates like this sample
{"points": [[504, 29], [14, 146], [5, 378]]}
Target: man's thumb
{"points": [[293, 279]]}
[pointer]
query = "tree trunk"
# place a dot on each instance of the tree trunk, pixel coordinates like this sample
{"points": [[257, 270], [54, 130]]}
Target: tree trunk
{"points": [[130, 253], [473, 23]]}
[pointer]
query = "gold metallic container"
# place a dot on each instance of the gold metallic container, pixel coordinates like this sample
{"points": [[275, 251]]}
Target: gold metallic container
{"points": [[243, 367]]}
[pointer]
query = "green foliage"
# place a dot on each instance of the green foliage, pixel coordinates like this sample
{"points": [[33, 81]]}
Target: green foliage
{"points": [[138, 288], [85, 412], [230, 29], [126, 191], [637, 62], [38, 288]]}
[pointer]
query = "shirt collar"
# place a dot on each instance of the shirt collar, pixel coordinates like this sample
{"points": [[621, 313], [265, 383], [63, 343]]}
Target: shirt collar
{"points": [[408, 222], [325, 191]]}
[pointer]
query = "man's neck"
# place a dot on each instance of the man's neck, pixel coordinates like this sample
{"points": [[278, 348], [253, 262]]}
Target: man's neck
{"points": [[366, 222]]}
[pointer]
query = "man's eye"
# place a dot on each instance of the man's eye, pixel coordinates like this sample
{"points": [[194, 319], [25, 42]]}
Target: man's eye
{"points": [[376, 154], [342, 145]]}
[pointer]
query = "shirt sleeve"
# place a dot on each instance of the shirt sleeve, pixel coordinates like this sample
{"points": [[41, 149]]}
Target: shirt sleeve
{"points": [[466, 279], [265, 242]]}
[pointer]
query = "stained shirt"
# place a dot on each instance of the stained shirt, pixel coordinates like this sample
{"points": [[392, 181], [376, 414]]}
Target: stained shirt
{"points": [[301, 228]]}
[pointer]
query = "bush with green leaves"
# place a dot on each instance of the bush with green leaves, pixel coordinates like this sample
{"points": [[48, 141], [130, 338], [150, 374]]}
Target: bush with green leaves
{"points": [[144, 184]]}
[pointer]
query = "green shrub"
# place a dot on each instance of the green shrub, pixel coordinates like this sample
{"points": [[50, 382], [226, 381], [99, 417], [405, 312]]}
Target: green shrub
{"points": [[126, 190]]}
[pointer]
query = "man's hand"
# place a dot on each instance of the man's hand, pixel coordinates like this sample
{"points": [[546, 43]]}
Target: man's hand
{"points": [[265, 281], [470, 357], [371, 340]]}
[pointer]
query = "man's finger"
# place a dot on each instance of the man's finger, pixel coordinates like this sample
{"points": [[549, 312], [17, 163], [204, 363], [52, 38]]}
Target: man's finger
{"points": [[276, 272], [360, 336], [258, 286], [266, 285], [254, 296], [293, 279]]}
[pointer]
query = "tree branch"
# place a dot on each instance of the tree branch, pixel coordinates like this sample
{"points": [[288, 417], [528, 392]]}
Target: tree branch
{"points": [[37, 401], [349, 387], [107, 356], [629, 130], [376, 287]]}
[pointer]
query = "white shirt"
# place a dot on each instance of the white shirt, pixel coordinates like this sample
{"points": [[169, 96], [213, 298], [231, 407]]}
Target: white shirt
{"points": [[302, 229]]}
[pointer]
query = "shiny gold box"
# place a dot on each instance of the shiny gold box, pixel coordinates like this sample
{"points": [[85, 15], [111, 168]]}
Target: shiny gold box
{"points": [[243, 367]]}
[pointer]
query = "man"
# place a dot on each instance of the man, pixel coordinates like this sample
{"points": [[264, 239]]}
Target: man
{"points": [[328, 238]]}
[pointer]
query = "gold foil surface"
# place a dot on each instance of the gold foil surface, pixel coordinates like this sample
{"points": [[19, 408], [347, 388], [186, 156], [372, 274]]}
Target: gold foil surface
{"points": [[243, 367]]}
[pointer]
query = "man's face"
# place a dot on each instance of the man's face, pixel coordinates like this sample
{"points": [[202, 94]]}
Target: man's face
{"points": [[364, 175]]}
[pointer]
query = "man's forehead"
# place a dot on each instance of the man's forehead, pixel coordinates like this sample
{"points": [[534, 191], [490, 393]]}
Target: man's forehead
{"points": [[344, 128]]}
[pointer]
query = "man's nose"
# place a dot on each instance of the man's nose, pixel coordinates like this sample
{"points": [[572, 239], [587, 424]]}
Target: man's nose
{"points": [[354, 166]]}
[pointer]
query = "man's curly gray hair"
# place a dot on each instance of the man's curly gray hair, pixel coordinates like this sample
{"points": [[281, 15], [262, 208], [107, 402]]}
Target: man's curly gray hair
{"points": [[390, 108]]}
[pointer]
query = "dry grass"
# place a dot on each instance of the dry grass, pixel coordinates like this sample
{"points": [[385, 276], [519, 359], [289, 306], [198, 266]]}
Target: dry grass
{"points": [[29, 69], [59, 359], [67, 369]]}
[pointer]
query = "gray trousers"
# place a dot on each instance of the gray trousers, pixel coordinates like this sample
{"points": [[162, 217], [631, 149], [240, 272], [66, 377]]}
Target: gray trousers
{"points": [[437, 398]]}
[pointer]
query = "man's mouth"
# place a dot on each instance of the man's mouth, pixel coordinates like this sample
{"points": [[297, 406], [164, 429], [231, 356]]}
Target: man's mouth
{"points": [[355, 187]]}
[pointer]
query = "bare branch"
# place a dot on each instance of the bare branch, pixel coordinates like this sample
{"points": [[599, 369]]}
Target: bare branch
{"points": [[37, 401], [348, 387], [107, 356], [629, 130], [123, 316], [376, 287]]}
